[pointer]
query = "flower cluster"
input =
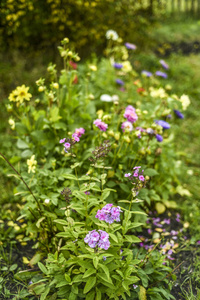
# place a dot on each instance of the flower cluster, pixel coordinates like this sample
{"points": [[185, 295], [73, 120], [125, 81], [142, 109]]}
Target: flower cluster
{"points": [[109, 213], [112, 35], [75, 138], [130, 114], [137, 179], [98, 239], [101, 125], [67, 194]]}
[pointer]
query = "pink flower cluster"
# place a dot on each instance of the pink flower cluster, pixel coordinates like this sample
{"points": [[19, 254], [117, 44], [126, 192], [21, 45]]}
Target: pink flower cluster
{"points": [[75, 138], [109, 214], [136, 173], [99, 239], [101, 125], [130, 114]]}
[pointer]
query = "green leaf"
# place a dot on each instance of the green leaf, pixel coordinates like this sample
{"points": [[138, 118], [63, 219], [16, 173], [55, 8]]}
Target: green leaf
{"points": [[62, 222], [72, 296], [54, 114], [26, 154], [69, 176], [40, 221], [35, 259], [150, 172], [113, 236], [45, 293], [95, 261], [89, 284], [42, 268], [90, 296], [142, 293], [106, 270], [98, 294], [132, 239], [21, 144], [89, 272], [67, 277]]}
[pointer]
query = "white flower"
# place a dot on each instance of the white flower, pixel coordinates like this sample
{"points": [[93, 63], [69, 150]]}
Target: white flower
{"points": [[106, 98], [115, 98], [112, 35], [126, 66], [12, 123], [46, 201]]}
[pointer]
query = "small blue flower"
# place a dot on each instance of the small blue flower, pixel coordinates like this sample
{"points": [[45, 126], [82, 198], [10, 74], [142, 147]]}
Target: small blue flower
{"points": [[161, 74], [130, 46], [104, 258], [117, 66], [146, 73], [179, 114], [159, 137], [163, 124], [164, 64], [119, 81]]}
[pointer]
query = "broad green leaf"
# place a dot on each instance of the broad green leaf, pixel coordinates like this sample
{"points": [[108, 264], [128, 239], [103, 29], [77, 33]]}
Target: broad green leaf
{"points": [[142, 293], [42, 268], [113, 236], [89, 284], [98, 294], [90, 295], [89, 272], [132, 239], [67, 277], [21, 144], [160, 208], [40, 221], [106, 270], [35, 259]]}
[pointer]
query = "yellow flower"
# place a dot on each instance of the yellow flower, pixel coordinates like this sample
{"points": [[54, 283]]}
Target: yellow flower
{"points": [[22, 93], [31, 164], [158, 93], [13, 96], [126, 66], [93, 68]]}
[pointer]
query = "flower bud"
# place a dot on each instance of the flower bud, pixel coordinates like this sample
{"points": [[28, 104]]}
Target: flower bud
{"points": [[55, 85], [41, 89], [117, 136]]}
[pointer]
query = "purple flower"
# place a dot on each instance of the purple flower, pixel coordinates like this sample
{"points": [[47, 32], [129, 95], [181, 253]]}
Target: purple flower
{"points": [[179, 114], [163, 124], [164, 64], [161, 74], [104, 258], [62, 141], [146, 73], [79, 131], [109, 214], [75, 136], [99, 239], [87, 193], [101, 125], [127, 126], [141, 178], [198, 242], [130, 46], [67, 145], [117, 66], [119, 81], [166, 221], [127, 175]]}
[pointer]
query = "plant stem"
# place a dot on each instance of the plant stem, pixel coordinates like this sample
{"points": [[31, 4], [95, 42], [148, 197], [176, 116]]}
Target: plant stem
{"points": [[21, 178]]}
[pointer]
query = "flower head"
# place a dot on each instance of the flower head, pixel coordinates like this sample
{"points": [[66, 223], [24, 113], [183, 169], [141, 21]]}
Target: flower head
{"points": [[117, 66], [163, 124], [79, 131], [20, 94], [161, 74], [120, 82], [185, 101], [109, 214], [106, 98], [164, 64], [159, 137], [179, 114], [130, 114], [31, 164], [146, 73], [112, 35], [97, 239], [101, 125], [130, 46], [127, 126]]}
